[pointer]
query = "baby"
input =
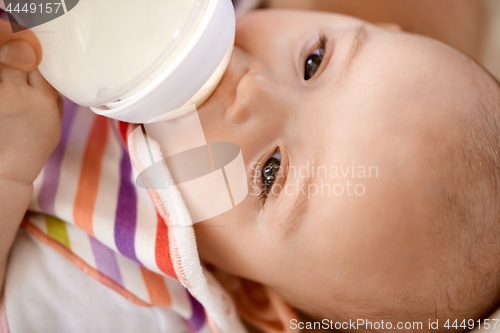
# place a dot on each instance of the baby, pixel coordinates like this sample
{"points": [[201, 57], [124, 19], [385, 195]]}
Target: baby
{"points": [[418, 240], [421, 241]]}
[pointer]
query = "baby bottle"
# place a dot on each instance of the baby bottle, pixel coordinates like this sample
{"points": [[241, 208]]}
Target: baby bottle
{"points": [[137, 60]]}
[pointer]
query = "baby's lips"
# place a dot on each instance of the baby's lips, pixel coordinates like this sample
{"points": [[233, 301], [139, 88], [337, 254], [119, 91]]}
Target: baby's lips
{"points": [[225, 93]]}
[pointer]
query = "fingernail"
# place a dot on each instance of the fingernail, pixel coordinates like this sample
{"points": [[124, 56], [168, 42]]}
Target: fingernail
{"points": [[18, 54]]}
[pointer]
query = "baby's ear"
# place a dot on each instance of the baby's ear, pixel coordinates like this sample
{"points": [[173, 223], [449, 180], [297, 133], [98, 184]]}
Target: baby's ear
{"points": [[257, 305], [389, 26]]}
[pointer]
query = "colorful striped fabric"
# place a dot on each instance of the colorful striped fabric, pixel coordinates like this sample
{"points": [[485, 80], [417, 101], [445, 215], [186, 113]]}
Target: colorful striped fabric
{"points": [[87, 206]]}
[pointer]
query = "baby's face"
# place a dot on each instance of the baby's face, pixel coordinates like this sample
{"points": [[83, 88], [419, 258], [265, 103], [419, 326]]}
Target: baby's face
{"points": [[377, 104]]}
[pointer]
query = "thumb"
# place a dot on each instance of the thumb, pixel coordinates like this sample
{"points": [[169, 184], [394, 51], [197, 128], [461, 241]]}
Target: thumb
{"points": [[20, 50]]}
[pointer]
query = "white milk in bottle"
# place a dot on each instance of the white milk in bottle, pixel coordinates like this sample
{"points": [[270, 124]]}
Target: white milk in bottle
{"points": [[138, 60]]}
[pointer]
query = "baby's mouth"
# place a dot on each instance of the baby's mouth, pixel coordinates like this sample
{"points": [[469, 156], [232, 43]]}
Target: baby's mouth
{"points": [[225, 93]]}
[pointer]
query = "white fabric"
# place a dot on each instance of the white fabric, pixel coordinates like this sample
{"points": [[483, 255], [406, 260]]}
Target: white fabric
{"points": [[208, 292], [37, 299]]}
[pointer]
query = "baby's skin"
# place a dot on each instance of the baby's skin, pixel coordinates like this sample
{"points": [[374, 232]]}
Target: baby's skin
{"points": [[333, 91], [30, 126], [405, 242]]}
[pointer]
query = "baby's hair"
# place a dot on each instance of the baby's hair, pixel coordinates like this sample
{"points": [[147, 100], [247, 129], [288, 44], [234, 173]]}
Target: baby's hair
{"points": [[470, 199]]}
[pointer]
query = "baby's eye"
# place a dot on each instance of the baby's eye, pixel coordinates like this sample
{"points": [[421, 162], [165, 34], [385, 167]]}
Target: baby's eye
{"points": [[312, 64], [269, 172]]}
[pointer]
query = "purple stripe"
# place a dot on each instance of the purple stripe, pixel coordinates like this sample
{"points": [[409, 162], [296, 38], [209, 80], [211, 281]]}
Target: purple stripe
{"points": [[198, 317], [126, 211], [105, 260], [52, 168]]}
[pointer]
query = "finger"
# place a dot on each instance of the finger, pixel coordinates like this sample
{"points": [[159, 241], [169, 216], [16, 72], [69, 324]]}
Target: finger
{"points": [[20, 50], [35, 79], [13, 76], [17, 54]]}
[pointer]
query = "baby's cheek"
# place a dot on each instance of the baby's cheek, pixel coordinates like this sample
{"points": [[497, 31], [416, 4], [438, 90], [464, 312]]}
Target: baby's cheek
{"points": [[217, 241]]}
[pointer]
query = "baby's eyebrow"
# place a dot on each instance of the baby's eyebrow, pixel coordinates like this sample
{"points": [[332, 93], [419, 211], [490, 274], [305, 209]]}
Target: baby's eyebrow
{"points": [[357, 44], [299, 208]]}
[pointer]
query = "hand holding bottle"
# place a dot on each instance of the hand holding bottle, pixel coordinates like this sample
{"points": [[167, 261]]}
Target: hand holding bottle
{"points": [[30, 109], [30, 126]]}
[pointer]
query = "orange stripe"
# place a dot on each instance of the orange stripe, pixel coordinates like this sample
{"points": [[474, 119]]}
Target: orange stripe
{"points": [[88, 183], [162, 249], [80, 263], [157, 289]]}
